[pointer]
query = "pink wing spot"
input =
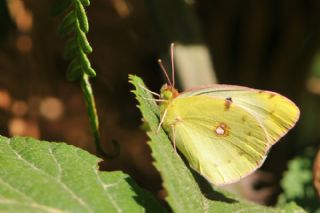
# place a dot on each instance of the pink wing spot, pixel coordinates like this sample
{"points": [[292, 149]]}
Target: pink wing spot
{"points": [[222, 130]]}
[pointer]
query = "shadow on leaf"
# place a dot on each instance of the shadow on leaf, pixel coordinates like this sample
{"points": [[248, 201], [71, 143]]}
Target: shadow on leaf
{"points": [[206, 188]]}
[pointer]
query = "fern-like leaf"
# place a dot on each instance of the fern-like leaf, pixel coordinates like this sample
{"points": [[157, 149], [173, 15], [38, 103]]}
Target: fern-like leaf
{"points": [[75, 25]]}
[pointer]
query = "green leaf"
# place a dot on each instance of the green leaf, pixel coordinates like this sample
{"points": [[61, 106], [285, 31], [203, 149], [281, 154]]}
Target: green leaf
{"points": [[85, 2], [297, 182], [73, 45], [71, 49], [83, 42], [74, 71], [187, 191], [60, 6], [89, 71], [86, 65], [297, 177], [290, 207], [67, 25], [82, 16], [38, 176]]}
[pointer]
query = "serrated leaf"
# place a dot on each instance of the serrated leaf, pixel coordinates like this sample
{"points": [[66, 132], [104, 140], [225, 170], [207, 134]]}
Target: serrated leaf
{"points": [[60, 6], [38, 176], [187, 191], [67, 25], [82, 16]]}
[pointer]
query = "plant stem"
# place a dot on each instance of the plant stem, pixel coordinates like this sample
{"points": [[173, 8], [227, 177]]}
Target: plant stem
{"points": [[93, 117]]}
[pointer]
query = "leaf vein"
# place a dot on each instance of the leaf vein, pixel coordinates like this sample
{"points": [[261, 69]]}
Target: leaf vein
{"points": [[33, 205], [78, 199], [95, 170]]}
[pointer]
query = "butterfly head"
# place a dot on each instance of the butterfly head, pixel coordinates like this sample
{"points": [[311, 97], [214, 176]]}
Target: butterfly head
{"points": [[168, 92]]}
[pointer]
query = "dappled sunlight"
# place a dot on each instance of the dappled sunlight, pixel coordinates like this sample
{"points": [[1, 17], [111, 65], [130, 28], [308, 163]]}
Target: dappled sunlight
{"points": [[122, 8], [24, 43], [19, 108], [23, 127], [20, 14], [5, 99], [17, 126], [51, 108]]}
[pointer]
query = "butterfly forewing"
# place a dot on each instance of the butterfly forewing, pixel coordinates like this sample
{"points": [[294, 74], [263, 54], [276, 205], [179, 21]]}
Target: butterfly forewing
{"points": [[276, 113]]}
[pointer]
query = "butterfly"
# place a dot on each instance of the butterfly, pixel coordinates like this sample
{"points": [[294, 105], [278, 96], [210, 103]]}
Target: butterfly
{"points": [[225, 132]]}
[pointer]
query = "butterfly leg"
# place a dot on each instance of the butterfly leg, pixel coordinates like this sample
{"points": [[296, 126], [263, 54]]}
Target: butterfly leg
{"points": [[162, 119], [174, 138], [153, 99]]}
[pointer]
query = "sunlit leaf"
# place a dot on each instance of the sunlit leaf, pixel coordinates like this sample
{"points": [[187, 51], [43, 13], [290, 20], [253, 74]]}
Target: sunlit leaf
{"points": [[38, 176]]}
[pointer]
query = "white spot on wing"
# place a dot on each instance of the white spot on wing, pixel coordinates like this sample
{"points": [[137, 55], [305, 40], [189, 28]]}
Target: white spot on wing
{"points": [[220, 130]]}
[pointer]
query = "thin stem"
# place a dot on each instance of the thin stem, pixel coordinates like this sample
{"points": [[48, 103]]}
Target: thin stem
{"points": [[93, 117]]}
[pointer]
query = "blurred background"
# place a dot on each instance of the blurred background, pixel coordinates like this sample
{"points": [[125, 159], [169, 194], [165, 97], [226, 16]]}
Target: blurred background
{"points": [[265, 44]]}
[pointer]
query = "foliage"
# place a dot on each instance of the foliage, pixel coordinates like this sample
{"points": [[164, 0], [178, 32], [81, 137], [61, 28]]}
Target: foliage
{"points": [[297, 183], [38, 176], [75, 25], [187, 191]]}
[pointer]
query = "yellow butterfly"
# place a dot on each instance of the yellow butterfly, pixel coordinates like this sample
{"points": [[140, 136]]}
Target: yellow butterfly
{"points": [[224, 131]]}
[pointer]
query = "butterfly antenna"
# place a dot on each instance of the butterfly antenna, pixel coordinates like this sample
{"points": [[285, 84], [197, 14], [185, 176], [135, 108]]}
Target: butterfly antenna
{"points": [[172, 63], [164, 71]]}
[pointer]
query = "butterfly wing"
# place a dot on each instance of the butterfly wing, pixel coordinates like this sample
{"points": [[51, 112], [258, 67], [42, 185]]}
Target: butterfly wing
{"points": [[222, 141], [275, 113]]}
